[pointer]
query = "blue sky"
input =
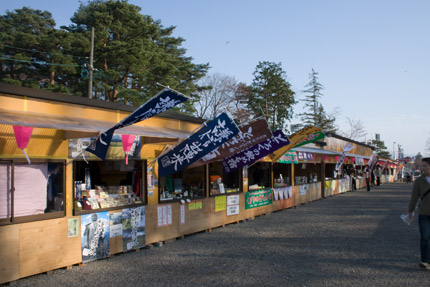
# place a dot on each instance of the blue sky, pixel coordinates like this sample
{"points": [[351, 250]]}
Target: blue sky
{"points": [[372, 56]]}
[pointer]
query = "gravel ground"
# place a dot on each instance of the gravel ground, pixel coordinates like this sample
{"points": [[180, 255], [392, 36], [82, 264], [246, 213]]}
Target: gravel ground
{"points": [[352, 239]]}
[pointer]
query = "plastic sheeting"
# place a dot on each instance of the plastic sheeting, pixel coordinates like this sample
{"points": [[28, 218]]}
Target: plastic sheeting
{"points": [[30, 183]]}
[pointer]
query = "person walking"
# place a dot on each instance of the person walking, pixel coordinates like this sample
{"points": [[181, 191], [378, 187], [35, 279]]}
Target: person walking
{"points": [[420, 191], [378, 175], [367, 177]]}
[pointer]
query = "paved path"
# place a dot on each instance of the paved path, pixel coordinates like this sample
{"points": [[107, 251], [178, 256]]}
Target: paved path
{"points": [[353, 239]]}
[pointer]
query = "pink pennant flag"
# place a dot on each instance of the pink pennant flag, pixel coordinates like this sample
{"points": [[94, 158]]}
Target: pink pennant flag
{"points": [[324, 157], [22, 136], [127, 142]]}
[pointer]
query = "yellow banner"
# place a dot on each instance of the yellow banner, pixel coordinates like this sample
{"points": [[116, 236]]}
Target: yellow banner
{"points": [[195, 205], [295, 139]]}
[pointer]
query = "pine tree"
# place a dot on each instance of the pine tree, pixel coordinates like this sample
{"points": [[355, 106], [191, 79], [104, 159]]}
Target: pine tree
{"points": [[316, 114], [133, 53], [32, 50], [272, 96]]}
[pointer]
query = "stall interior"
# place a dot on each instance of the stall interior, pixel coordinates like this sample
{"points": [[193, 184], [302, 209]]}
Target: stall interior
{"points": [[281, 174], [259, 176], [27, 190], [221, 182], [330, 169], [185, 184], [107, 184], [306, 173]]}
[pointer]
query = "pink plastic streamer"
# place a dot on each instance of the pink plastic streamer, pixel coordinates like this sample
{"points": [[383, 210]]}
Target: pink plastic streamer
{"points": [[127, 142], [22, 136]]}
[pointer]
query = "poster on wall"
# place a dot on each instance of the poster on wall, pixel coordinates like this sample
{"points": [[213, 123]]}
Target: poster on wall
{"points": [[233, 205], [77, 148], [133, 227], [304, 189], [150, 181], [164, 215], [95, 236], [182, 215], [220, 203], [258, 198], [73, 227], [115, 224]]}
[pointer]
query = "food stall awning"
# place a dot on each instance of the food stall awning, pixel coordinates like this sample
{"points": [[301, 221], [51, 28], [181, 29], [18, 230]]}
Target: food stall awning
{"points": [[76, 127], [316, 150]]}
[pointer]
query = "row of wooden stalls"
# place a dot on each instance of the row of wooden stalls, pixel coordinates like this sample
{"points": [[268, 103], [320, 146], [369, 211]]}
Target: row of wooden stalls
{"points": [[56, 212]]}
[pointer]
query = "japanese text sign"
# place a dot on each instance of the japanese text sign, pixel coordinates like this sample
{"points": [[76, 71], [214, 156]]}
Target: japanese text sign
{"points": [[254, 153], [163, 101], [209, 137]]}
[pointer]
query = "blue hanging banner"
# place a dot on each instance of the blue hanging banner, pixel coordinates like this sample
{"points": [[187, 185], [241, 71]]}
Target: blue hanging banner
{"points": [[163, 101], [202, 142], [250, 155]]}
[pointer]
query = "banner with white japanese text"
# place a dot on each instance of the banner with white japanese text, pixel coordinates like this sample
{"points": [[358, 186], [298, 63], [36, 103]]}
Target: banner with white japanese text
{"points": [[200, 143], [252, 154], [258, 198], [339, 163], [249, 134], [163, 101]]}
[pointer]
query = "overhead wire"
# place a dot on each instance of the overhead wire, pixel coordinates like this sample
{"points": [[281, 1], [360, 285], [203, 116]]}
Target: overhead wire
{"points": [[38, 51]]}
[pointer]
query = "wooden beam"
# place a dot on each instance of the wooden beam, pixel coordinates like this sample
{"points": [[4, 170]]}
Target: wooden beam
{"points": [[153, 140], [78, 134]]}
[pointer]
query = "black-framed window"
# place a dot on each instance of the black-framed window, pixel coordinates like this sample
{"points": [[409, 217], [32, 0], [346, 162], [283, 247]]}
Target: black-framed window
{"points": [[260, 176], [186, 184], [221, 182], [31, 192], [281, 174], [108, 184]]}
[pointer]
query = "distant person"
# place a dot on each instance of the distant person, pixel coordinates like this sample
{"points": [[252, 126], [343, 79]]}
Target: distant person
{"points": [[378, 174], [420, 191], [408, 178], [366, 175]]}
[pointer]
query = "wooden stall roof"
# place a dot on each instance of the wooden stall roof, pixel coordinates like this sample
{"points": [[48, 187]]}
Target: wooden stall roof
{"points": [[71, 99]]}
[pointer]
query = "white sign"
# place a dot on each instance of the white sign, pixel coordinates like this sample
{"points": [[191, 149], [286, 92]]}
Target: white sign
{"points": [[164, 215], [115, 230], [182, 214], [232, 210], [233, 199]]}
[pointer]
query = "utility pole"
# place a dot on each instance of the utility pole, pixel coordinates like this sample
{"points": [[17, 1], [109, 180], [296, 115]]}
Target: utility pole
{"points": [[90, 79]]}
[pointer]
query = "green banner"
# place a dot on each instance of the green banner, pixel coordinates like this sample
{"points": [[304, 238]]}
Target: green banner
{"points": [[289, 157], [258, 198], [312, 138]]}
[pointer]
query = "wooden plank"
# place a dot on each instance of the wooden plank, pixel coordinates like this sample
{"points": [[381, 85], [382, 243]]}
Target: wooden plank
{"points": [[45, 245], [116, 245], [9, 253]]}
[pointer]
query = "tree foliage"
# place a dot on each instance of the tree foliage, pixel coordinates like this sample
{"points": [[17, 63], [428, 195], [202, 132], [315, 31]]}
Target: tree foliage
{"points": [[271, 96], [216, 95], [315, 113], [32, 50], [132, 53], [380, 148], [356, 129]]}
